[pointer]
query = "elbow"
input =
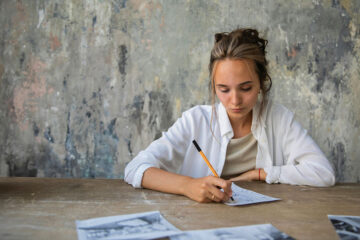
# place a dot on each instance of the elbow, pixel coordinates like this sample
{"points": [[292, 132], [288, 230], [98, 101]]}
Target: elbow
{"points": [[326, 179], [323, 175], [329, 180], [127, 175], [326, 182], [134, 173], [130, 174]]}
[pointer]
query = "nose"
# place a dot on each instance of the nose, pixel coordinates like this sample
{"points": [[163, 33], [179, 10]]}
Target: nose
{"points": [[236, 98]]}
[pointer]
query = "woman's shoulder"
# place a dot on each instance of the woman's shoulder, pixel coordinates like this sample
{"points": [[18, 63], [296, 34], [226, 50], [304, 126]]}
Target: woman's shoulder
{"points": [[198, 113], [278, 107], [198, 110], [277, 111]]}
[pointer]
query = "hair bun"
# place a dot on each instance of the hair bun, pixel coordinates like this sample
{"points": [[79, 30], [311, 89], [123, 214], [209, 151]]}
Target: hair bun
{"points": [[252, 36], [218, 37]]}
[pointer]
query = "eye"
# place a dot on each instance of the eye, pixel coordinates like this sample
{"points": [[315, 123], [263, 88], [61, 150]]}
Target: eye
{"points": [[246, 89], [224, 90]]}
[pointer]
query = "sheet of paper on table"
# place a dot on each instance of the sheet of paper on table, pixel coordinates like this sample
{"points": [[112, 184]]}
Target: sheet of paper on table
{"points": [[253, 232], [152, 225], [243, 196], [148, 225]]}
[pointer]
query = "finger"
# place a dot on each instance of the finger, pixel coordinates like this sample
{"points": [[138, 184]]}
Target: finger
{"points": [[214, 198], [220, 188], [228, 188], [222, 183], [225, 185], [218, 195]]}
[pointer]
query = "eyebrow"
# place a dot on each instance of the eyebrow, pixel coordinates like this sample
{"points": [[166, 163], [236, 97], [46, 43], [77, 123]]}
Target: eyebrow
{"points": [[241, 84]]}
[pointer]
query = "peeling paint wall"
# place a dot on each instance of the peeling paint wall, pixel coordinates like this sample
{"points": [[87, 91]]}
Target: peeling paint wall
{"points": [[85, 85]]}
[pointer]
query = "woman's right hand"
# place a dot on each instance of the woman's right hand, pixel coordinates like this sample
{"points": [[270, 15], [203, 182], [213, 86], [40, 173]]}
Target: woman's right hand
{"points": [[208, 189]]}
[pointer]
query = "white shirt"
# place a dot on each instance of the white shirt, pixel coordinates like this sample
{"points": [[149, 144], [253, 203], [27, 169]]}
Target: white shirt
{"points": [[285, 151]]}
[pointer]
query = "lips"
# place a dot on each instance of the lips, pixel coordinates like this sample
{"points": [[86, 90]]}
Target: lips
{"points": [[237, 109]]}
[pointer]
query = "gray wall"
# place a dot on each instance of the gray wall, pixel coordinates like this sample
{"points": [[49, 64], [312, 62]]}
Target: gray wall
{"points": [[85, 85]]}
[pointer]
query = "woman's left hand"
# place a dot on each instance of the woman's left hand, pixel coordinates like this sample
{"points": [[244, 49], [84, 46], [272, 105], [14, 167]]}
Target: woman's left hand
{"points": [[252, 175]]}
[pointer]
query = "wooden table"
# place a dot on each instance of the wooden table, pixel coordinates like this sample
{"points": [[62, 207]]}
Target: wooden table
{"points": [[46, 208]]}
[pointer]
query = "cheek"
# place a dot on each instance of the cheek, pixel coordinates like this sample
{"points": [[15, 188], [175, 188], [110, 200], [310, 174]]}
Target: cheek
{"points": [[222, 97], [251, 98]]}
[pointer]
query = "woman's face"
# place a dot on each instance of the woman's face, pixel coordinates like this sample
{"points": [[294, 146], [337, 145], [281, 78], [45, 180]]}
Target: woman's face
{"points": [[237, 86]]}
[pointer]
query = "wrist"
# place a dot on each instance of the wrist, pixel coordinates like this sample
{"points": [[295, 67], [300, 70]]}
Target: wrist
{"points": [[262, 175], [256, 175], [186, 182]]}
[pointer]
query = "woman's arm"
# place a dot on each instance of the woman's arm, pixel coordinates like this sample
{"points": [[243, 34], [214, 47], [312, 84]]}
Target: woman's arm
{"points": [[157, 167], [251, 175], [166, 153], [304, 162], [199, 189]]}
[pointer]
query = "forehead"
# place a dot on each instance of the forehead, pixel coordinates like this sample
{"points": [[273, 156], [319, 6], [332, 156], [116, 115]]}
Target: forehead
{"points": [[235, 70]]}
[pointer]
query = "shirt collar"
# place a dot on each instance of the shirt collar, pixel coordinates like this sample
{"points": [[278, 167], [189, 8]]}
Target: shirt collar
{"points": [[224, 121]]}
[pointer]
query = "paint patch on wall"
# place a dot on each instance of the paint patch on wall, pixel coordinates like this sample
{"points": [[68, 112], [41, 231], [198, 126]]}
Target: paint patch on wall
{"points": [[54, 42], [122, 62], [26, 95], [72, 155], [1, 72], [48, 136], [25, 168], [339, 159], [36, 130]]}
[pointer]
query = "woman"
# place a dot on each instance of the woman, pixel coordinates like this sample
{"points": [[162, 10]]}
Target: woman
{"points": [[245, 136]]}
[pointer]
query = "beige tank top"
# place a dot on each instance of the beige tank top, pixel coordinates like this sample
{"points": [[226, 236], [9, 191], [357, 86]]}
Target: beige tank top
{"points": [[240, 156]]}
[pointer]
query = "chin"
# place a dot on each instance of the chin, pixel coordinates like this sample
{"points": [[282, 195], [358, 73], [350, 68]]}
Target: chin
{"points": [[237, 115], [240, 114]]}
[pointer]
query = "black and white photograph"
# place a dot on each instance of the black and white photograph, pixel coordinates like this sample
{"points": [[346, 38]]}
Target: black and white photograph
{"points": [[148, 225], [347, 227], [253, 232]]}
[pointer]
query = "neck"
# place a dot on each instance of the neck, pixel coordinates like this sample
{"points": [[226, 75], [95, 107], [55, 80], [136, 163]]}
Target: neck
{"points": [[241, 126], [241, 122]]}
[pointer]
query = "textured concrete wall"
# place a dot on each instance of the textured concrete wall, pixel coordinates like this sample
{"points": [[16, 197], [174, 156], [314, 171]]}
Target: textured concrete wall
{"points": [[85, 85]]}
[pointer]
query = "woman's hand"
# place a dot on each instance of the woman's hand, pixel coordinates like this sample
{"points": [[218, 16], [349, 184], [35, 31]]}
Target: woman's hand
{"points": [[252, 175], [208, 189]]}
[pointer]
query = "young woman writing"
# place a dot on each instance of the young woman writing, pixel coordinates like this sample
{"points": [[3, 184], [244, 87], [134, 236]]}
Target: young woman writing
{"points": [[245, 135]]}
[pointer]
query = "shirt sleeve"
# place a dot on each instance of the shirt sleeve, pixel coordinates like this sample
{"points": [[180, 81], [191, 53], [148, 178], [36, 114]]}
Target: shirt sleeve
{"points": [[166, 153], [304, 162]]}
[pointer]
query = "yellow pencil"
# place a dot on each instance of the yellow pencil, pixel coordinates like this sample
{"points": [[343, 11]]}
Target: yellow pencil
{"points": [[206, 160]]}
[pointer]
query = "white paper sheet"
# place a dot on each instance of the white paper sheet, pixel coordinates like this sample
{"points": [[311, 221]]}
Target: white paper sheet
{"points": [[243, 196], [148, 225], [253, 232]]}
